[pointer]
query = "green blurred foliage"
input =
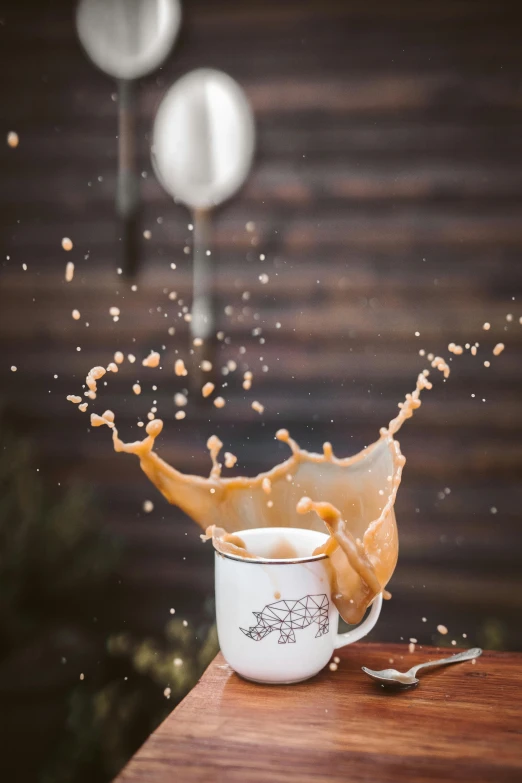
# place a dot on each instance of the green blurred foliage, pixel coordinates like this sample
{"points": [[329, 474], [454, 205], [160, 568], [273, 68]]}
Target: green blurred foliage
{"points": [[106, 725], [55, 562], [50, 548]]}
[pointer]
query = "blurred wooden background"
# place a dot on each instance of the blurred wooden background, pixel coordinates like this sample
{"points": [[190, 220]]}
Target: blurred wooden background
{"points": [[386, 198]]}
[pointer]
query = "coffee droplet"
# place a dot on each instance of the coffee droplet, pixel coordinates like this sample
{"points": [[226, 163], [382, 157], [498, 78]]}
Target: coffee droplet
{"points": [[207, 389], [67, 244], [152, 360], [179, 368], [94, 375], [456, 349], [97, 421], [230, 459]]}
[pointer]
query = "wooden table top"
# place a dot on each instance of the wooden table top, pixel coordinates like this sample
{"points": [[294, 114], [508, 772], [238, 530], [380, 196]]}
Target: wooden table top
{"points": [[463, 723]]}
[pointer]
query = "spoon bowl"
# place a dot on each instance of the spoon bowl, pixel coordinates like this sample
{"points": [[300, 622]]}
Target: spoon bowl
{"points": [[392, 679], [128, 39]]}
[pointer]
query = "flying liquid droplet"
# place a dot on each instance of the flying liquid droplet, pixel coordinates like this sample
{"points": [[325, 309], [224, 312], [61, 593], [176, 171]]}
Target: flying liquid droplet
{"points": [[152, 360], [230, 459], [207, 389], [179, 368]]}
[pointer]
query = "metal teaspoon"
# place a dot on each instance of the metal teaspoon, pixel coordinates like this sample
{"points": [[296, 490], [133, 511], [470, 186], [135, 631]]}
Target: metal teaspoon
{"points": [[394, 680]]}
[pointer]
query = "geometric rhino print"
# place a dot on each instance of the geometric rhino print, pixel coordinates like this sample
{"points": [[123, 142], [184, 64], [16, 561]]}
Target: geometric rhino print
{"points": [[288, 616]]}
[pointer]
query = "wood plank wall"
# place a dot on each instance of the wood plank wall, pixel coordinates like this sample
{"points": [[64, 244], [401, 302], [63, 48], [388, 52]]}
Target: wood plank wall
{"points": [[386, 196]]}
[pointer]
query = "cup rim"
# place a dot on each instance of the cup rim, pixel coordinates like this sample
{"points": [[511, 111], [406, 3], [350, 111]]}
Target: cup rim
{"points": [[269, 560]]}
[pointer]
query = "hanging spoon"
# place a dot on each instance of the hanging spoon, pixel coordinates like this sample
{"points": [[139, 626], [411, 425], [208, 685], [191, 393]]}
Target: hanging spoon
{"points": [[203, 145], [127, 39]]}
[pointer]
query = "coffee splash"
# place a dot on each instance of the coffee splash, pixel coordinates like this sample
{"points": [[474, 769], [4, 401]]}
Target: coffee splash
{"points": [[354, 497]]}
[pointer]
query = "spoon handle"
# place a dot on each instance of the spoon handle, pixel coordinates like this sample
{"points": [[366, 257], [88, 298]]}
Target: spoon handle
{"points": [[202, 324], [127, 191], [463, 656]]}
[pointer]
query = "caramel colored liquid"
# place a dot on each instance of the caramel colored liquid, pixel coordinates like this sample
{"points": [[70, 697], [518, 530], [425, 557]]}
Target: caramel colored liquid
{"points": [[282, 550], [353, 497]]}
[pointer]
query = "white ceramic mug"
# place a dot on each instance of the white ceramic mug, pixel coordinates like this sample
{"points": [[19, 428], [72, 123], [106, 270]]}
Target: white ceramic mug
{"points": [[276, 620]]}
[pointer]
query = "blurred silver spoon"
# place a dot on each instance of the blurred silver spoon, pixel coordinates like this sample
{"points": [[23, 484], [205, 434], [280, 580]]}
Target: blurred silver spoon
{"points": [[391, 678], [127, 39], [203, 145]]}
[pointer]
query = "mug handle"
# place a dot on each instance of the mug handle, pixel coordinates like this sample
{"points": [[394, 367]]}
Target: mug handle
{"points": [[365, 627]]}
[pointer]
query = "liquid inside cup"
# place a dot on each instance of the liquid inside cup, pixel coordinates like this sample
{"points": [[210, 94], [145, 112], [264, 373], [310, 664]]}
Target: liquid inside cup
{"points": [[282, 543]]}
